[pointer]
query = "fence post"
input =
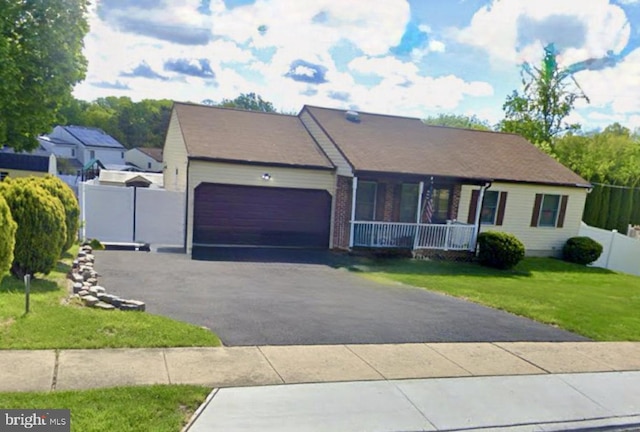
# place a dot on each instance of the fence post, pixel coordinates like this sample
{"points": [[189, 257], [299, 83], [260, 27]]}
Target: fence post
{"points": [[447, 235], [613, 238]]}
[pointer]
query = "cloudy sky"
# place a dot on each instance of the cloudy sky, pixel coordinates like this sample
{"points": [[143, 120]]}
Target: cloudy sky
{"points": [[405, 57]]}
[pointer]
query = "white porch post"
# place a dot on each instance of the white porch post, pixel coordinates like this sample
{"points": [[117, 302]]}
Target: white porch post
{"points": [[476, 223], [354, 190], [418, 214], [83, 210]]}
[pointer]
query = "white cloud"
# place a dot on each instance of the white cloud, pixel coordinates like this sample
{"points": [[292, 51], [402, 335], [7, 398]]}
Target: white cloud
{"points": [[588, 28], [436, 46]]}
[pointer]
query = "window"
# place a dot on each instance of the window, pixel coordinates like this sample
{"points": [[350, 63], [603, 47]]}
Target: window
{"points": [[489, 208], [549, 210], [92, 154], [440, 205], [148, 165], [3, 175], [122, 155], [366, 201], [408, 203], [494, 204], [73, 152]]}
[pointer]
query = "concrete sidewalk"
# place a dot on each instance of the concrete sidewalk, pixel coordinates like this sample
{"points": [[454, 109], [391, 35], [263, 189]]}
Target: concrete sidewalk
{"points": [[589, 401], [267, 365]]}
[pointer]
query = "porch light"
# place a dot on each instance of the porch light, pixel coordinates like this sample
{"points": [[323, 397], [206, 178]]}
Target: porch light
{"points": [[266, 176]]}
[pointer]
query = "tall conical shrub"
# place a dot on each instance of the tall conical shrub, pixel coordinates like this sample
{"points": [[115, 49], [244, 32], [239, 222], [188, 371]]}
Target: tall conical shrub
{"points": [[41, 229], [7, 236], [63, 192]]}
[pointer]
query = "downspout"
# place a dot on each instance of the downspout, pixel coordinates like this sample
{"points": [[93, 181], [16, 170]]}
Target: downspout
{"points": [[354, 191], [418, 214], [186, 207], [479, 204]]}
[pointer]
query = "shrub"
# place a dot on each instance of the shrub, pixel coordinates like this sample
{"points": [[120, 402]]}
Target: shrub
{"points": [[499, 250], [7, 236], [581, 250], [63, 192], [41, 229]]}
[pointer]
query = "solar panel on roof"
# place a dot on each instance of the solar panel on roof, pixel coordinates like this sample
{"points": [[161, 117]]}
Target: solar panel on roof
{"points": [[94, 137]]}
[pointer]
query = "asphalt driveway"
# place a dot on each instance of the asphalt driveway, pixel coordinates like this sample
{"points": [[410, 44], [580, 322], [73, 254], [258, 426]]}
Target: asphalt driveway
{"points": [[289, 303]]}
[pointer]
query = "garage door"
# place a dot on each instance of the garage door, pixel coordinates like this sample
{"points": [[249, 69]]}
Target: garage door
{"points": [[261, 216]]}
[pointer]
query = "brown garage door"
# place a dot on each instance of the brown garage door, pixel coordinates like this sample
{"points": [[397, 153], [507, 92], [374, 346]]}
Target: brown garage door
{"points": [[261, 216]]}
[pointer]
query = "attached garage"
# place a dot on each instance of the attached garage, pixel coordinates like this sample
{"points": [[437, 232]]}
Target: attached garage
{"points": [[239, 215]]}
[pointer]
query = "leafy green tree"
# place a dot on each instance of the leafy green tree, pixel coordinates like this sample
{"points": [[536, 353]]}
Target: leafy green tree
{"points": [[539, 111], [41, 60], [458, 121], [63, 192], [41, 229], [249, 101], [7, 236]]}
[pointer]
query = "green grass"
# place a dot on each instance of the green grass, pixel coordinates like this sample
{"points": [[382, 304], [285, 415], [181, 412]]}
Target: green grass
{"points": [[54, 323], [597, 303], [156, 408]]}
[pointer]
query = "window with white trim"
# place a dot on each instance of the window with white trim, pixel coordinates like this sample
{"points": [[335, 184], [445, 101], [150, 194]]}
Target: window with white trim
{"points": [[489, 208]]}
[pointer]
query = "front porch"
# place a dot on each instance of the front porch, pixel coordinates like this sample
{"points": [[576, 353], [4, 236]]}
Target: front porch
{"points": [[449, 236], [404, 212]]}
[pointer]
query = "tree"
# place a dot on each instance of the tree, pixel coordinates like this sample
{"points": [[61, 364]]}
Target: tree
{"points": [[458, 121], [538, 113], [41, 229], [7, 236], [41, 57], [249, 101]]}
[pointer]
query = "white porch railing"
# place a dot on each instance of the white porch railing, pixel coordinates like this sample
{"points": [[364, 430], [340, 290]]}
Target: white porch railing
{"points": [[452, 236]]}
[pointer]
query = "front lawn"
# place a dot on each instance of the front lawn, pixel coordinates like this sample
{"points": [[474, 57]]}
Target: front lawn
{"points": [[594, 302], [146, 408], [54, 324]]}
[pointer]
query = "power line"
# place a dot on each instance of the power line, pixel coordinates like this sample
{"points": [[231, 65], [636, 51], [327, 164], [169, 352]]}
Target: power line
{"points": [[615, 186]]}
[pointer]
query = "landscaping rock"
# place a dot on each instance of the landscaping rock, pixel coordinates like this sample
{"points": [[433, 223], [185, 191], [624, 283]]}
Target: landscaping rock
{"points": [[77, 287], [95, 290], [76, 277], [89, 300], [90, 258], [86, 274], [75, 264], [87, 248], [83, 293], [104, 306], [133, 305], [92, 281], [81, 254]]}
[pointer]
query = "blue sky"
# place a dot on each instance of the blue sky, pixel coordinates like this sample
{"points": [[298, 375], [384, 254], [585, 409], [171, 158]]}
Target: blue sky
{"points": [[403, 57]]}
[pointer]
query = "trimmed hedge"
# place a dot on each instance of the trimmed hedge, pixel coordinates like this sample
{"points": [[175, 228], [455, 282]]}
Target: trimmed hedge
{"points": [[41, 229], [581, 250], [499, 250], [8, 229], [63, 192]]}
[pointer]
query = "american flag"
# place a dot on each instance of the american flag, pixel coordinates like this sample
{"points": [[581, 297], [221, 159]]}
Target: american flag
{"points": [[428, 203]]}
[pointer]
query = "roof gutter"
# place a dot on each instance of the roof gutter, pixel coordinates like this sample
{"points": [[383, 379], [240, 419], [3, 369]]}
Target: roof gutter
{"points": [[261, 163]]}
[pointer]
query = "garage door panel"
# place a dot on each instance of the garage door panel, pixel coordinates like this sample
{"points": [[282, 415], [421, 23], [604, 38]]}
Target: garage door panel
{"points": [[266, 216]]}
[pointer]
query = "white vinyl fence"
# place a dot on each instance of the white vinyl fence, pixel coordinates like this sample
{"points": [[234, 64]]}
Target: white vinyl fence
{"points": [[620, 252], [115, 214]]}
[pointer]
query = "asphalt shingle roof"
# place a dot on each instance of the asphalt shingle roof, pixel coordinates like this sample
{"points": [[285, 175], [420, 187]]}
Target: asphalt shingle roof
{"points": [[247, 136], [390, 144]]}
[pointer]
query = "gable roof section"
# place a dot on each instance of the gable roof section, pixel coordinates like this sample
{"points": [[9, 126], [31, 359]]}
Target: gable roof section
{"points": [[93, 137], [226, 134], [153, 152], [390, 144], [24, 162]]}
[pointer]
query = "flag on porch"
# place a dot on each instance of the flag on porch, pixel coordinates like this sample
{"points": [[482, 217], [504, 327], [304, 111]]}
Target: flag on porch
{"points": [[428, 203]]}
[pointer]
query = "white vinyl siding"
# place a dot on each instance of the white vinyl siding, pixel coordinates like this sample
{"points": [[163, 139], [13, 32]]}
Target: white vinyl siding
{"points": [[175, 157], [251, 175], [332, 152], [142, 160], [518, 212]]}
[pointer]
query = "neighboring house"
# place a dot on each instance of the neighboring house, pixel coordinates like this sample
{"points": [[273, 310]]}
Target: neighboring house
{"points": [[84, 144], [37, 163], [336, 179], [145, 158]]}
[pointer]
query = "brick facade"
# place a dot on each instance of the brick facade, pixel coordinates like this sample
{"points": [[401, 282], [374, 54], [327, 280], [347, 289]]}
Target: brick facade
{"points": [[455, 201], [342, 213]]}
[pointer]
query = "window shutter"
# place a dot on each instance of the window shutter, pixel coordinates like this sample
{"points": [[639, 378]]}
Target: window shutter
{"points": [[381, 192], [473, 205], [536, 210], [563, 210], [502, 203]]}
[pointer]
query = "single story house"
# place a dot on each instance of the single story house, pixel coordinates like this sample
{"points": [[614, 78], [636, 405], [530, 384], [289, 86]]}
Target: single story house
{"points": [[22, 164], [327, 178], [146, 158]]}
